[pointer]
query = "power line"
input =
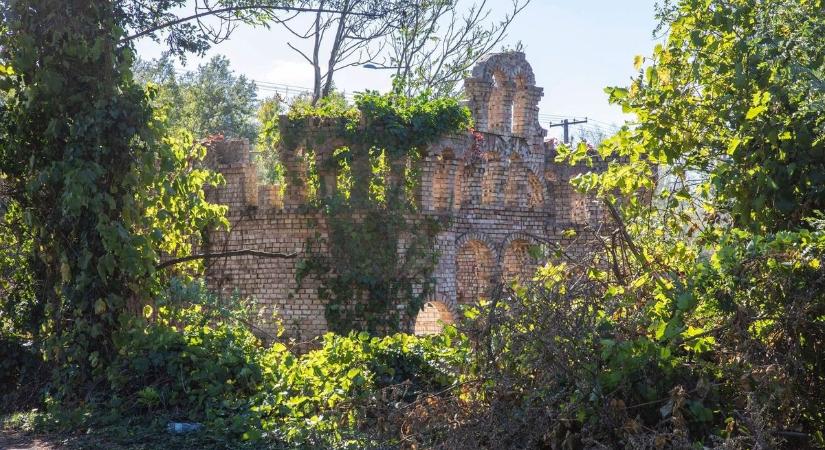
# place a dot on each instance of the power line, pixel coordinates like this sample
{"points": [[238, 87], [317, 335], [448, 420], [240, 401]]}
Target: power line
{"points": [[288, 91], [565, 124]]}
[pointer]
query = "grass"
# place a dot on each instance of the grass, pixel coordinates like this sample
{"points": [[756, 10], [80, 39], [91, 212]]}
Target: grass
{"points": [[37, 429]]}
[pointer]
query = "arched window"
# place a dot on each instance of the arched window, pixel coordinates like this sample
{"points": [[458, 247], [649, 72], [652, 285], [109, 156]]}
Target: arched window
{"points": [[517, 263], [474, 271]]}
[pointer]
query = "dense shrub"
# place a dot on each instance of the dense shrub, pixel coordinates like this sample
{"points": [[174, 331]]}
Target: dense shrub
{"points": [[333, 395], [727, 355], [197, 373], [21, 377]]}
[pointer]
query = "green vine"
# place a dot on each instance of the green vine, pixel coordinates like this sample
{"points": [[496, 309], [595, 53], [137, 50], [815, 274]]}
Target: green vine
{"points": [[376, 264]]}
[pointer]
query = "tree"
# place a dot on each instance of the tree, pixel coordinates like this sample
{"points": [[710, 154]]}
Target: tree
{"points": [[438, 42], [215, 101], [429, 44], [351, 34], [732, 107], [208, 22], [722, 257], [210, 100], [103, 190]]}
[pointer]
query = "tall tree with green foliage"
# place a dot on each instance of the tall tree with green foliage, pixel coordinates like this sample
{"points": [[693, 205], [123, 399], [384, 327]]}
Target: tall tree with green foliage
{"points": [[731, 107], [101, 189], [714, 299], [210, 100]]}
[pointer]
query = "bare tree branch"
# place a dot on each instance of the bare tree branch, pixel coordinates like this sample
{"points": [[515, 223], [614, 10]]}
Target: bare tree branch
{"points": [[233, 9], [227, 254]]}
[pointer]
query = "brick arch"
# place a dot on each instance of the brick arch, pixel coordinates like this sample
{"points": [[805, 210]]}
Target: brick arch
{"points": [[504, 98], [442, 179], [476, 267], [477, 236], [454, 143], [536, 190], [513, 64], [431, 319], [515, 260]]}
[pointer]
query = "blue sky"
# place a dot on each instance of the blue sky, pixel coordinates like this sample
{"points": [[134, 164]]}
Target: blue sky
{"points": [[576, 48]]}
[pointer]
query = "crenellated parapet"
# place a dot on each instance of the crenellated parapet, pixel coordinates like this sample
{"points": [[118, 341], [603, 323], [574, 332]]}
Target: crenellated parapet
{"points": [[243, 190]]}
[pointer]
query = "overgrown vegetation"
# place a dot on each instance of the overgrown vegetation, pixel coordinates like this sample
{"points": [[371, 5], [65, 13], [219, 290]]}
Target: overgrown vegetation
{"points": [[699, 323], [216, 372], [366, 286], [209, 100], [100, 187]]}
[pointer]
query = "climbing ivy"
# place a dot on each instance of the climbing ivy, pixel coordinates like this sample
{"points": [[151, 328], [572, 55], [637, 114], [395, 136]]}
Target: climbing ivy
{"points": [[380, 255], [100, 187]]}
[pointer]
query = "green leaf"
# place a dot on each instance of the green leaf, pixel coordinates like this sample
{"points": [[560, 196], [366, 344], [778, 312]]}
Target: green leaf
{"points": [[755, 111], [684, 301], [733, 145], [638, 60], [661, 327]]}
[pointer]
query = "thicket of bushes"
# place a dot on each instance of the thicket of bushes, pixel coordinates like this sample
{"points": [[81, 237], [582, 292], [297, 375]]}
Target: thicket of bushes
{"points": [[698, 321], [728, 356], [191, 360]]}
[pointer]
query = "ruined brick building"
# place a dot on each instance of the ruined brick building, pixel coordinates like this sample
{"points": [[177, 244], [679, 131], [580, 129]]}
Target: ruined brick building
{"points": [[499, 205]]}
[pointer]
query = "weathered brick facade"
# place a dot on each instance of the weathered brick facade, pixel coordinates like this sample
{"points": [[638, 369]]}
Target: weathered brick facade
{"points": [[499, 187]]}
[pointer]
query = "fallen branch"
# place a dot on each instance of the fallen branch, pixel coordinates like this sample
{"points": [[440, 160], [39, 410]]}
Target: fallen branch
{"points": [[228, 254]]}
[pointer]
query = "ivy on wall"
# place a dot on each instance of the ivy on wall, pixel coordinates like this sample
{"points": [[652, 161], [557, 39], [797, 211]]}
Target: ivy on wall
{"points": [[376, 262]]}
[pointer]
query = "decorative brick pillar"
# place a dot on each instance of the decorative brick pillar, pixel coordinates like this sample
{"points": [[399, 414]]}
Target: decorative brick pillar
{"points": [[296, 172], [361, 169], [526, 111], [478, 93]]}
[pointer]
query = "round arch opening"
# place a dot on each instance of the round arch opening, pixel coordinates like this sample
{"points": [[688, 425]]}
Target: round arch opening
{"points": [[475, 268]]}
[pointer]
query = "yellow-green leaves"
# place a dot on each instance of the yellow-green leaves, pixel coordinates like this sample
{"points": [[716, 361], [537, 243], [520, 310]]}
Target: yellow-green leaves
{"points": [[760, 105], [638, 60], [615, 93]]}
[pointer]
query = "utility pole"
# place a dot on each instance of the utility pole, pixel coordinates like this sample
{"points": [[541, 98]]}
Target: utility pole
{"points": [[566, 124]]}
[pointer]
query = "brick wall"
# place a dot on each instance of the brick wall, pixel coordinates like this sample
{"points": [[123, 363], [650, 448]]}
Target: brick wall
{"points": [[501, 194]]}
